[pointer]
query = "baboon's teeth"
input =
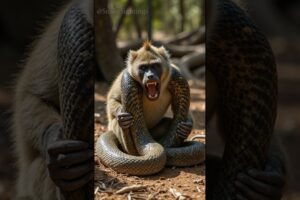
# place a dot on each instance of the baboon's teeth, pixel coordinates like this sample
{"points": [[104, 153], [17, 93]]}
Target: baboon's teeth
{"points": [[150, 84]]}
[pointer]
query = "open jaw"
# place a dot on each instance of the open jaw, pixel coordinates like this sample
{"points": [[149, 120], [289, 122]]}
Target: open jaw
{"points": [[152, 90]]}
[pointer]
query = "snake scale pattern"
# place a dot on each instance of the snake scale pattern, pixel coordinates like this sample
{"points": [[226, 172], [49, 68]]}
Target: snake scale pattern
{"points": [[152, 156], [76, 62], [242, 62]]}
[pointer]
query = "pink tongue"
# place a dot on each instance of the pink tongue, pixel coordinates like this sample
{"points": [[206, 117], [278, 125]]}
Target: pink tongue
{"points": [[152, 90]]}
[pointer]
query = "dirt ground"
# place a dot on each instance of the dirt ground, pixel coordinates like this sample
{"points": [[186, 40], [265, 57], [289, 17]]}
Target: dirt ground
{"points": [[189, 182]]}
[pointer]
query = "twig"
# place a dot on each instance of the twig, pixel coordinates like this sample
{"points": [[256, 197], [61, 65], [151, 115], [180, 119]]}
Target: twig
{"points": [[178, 195], [131, 188], [198, 136], [96, 190], [129, 196], [153, 195], [198, 189]]}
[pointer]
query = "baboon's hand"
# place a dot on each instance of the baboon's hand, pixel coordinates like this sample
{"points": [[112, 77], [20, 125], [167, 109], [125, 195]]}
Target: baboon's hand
{"points": [[184, 129], [70, 163], [267, 184], [124, 119]]}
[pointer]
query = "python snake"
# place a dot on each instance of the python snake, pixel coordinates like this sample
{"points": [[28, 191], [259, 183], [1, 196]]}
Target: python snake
{"points": [[76, 62], [240, 59], [152, 155]]}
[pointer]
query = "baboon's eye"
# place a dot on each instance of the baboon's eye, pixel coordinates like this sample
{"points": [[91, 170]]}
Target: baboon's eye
{"points": [[143, 68], [156, 66]]}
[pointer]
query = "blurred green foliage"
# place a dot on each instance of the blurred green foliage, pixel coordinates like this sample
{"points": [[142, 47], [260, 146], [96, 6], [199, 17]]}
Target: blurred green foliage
{"points": [[166, 16]]}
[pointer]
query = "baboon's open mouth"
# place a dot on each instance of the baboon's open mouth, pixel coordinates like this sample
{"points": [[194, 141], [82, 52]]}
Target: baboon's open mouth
{"points": [[152, 90]]}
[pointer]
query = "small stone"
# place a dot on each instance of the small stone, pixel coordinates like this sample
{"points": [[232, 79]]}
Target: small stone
{"points": [[163, 190], [199, 181]]}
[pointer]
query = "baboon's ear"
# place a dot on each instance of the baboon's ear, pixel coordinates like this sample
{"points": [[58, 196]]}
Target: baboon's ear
{"points": [[132, 55], [163, 52]]}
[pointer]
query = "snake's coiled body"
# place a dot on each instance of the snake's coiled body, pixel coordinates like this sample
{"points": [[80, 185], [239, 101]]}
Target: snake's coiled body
{"points": [[76, 61], [190, 152], [242, 63], [152, 156]]}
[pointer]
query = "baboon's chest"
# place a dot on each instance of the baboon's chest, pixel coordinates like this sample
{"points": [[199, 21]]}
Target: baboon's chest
{"points": [[154, 111]]}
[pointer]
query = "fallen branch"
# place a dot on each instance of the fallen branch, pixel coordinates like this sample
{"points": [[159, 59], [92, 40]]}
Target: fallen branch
{"points": [[196, 36], [194, 59], [200, 72], [153, 195], [190, 61], [177, 39], [182, 50], [178, 195], [131, 188]]}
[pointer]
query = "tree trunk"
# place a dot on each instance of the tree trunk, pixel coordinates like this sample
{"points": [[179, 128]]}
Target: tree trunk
{"points": [[182, 15], [107, 53], [149, 20], [122, 17], [136, 23]]}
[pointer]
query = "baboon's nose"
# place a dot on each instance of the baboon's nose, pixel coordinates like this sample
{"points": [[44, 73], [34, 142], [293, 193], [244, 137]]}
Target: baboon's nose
{"points": [[150, 76]]}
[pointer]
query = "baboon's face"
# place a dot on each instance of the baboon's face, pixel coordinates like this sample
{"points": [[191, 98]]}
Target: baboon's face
{"points": [[150, 75], [150, 67]]}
